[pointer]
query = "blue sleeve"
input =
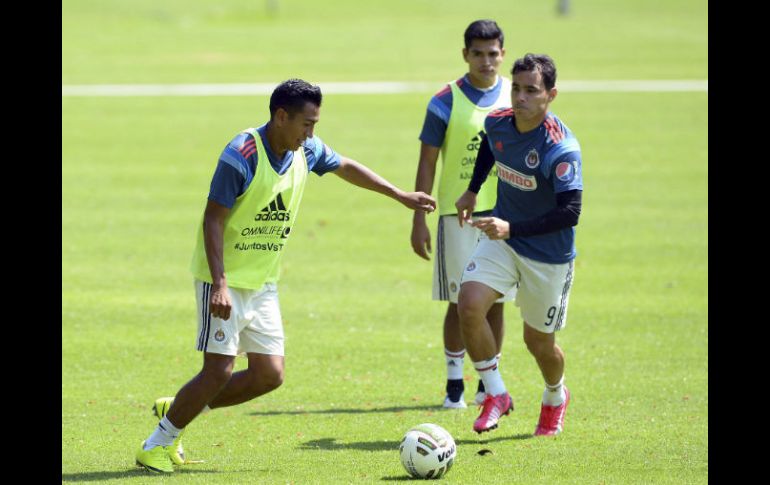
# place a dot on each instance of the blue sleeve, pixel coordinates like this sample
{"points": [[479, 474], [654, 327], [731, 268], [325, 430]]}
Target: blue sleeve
{"points": [[566, 171], [226, 185], [437, 118], [320, 157], [234, 171], [433, 130]]}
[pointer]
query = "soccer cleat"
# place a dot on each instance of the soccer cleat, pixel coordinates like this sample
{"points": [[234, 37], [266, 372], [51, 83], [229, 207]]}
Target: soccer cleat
{"points": [[552, 418], [459, 404], [454, 394], [480, 394], [493, 408], [159, 409], [156, 460]]}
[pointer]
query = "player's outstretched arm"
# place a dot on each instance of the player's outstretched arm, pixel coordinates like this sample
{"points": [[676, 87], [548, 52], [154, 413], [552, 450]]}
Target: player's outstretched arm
{"points": [[362, 176]]}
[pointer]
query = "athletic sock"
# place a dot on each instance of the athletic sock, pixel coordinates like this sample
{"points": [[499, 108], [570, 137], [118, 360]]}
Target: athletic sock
{"points": [[454, 363], [554, 395], [164, 434], [490, 375]]}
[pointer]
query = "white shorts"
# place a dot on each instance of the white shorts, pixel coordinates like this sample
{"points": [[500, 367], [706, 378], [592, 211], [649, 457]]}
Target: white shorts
{"points": [[254, 325], [543, 288], [454, 247]]}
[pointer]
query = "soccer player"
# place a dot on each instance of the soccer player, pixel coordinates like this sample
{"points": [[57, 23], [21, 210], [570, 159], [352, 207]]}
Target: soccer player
{"points": [[252, 206], [453, 126], [528, 241]]}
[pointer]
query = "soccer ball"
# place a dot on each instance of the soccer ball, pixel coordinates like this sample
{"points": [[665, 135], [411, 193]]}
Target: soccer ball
{"points": [[427, 451]]}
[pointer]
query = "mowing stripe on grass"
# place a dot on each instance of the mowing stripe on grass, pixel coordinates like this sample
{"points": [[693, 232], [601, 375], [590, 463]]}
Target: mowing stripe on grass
{"points": [[110, 90]]}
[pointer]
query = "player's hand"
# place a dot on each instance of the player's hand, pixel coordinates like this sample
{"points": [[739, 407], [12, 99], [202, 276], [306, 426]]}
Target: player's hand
{"points": [[417, 201], [493, 227], [220, 303], [421, 238], [465, 205]]}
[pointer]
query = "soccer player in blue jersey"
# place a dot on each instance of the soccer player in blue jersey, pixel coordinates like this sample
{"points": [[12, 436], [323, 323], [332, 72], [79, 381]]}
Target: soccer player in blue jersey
{"points": [[453, 127], [529, 240], [252, 205]]}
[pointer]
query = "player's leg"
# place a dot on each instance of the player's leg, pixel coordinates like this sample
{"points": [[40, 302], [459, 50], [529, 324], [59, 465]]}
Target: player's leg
{"points": [[453, 246], [162, 448], [262, 339], [454, 355], [475, 300], [495, 319], [218, 340], [489, 274], [543, 297]]}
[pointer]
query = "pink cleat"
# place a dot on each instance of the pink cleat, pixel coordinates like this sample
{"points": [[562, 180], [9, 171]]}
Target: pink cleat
{"points": [[552, 418], [492, 409]]}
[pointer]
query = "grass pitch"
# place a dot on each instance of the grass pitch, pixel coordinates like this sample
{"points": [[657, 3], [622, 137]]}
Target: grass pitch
{"points": [[364, 354]]}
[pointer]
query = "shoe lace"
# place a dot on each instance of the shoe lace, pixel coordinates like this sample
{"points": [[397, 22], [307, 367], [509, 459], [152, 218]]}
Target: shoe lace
{"points": [[490, 402]]}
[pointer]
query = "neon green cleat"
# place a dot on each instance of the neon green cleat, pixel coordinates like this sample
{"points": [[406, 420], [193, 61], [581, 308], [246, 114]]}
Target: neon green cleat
{"points": [[156, 460], [159, 409]]}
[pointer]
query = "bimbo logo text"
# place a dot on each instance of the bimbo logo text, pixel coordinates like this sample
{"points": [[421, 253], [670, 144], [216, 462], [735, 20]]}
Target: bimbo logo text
{"points": [[516, 179]]}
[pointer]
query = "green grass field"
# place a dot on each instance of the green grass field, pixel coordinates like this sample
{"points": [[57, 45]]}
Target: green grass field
{"points": [[364, 352]]}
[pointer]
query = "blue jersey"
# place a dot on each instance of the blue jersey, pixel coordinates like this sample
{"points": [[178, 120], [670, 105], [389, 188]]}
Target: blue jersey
{"points": [[532, 168], [238, 164], [440, 108]]}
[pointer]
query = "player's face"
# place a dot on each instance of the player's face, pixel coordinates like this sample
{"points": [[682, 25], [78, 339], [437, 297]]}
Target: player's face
{"points": [[300, 127], [484, 58], [530, 98]]}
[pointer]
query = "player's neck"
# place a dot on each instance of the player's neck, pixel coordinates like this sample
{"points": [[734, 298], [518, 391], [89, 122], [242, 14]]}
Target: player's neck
{"points": [[480, 82], [271, 133], [525, 126]]}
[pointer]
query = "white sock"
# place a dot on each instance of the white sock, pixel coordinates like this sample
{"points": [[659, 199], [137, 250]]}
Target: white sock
{"points": [[454, 363], [164, 434], [554, 395], [490, 376]]}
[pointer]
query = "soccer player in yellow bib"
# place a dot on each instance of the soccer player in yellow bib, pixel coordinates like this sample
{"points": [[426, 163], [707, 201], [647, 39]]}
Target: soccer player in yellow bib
{"points": [[454, 126], [252, 205]]}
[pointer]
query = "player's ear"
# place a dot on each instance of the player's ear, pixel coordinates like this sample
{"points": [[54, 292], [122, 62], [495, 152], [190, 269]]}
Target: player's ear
{"points": [[552, 93], [465, 54], [281, 116]]}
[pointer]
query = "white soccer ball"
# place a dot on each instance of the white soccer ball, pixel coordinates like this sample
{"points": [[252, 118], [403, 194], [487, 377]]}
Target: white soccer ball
{"points": [[427, 451]]}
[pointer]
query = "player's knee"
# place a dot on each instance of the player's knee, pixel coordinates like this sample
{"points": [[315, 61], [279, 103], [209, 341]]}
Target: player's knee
{"points": [[218, 370], [272, 379], [218, 374], [539, 346], [469, 310]]}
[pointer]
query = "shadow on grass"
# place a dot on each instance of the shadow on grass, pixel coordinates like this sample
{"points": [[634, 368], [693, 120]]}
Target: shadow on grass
{"points": [[392, 409], [331, 444], [120, 474]]}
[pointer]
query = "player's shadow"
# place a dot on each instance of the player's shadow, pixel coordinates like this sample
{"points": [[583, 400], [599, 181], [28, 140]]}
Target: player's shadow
{"points": [[120, 474], [391, 409], [331, 444]]}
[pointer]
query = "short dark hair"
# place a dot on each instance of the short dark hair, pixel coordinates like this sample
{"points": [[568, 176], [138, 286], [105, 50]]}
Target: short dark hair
{"points": [[542, 62], [485, 30], [292, 95]]}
